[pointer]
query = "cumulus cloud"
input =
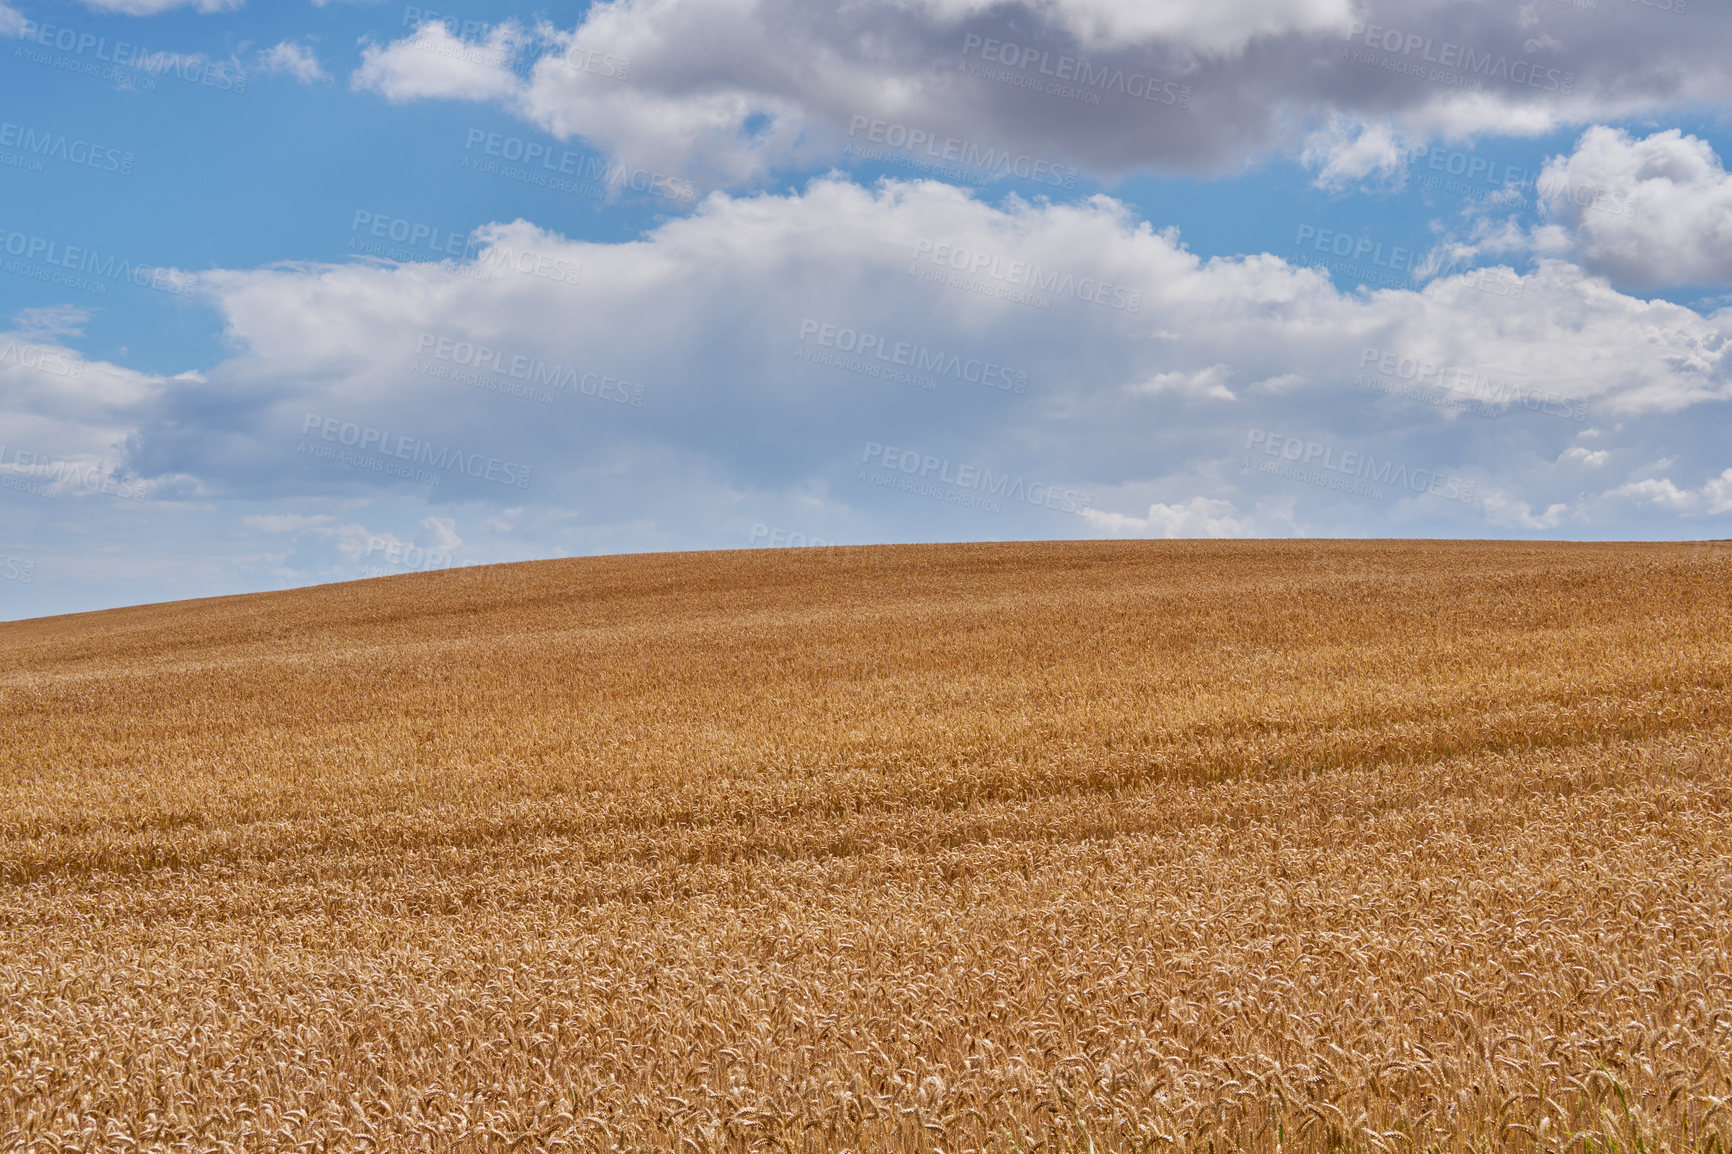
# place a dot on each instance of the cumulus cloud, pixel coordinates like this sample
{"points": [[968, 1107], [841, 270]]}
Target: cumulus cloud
{"points": [[433, 62], [1712, 497], [1218, 29], [1508, 512], [730, 91], [1350, 152], [65, 421], [1647, 212], [760, 361], [293, 60], [435, 546]]}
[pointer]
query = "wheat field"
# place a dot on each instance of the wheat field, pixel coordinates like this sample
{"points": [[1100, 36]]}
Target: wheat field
{"points": [[1076, 846]]}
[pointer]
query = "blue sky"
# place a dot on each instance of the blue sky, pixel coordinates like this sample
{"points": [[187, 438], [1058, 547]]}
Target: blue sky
{"points": [[307, 292]]}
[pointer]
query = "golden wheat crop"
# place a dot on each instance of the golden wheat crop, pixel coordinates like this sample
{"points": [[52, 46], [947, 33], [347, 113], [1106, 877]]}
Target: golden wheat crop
{"points": [[1109, 846]]}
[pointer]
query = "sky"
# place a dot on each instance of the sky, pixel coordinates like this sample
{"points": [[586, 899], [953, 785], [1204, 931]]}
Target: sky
{"points": [[312, 291]]}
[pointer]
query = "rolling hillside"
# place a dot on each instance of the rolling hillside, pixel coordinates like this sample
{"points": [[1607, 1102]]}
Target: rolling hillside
{"points": [[1144, 845]]}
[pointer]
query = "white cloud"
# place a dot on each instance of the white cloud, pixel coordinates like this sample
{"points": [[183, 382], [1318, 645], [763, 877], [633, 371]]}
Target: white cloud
{"points": [[1650, 212], [1220, 28], [1350, 152], [1713, 497], [152, 7], [1657, 491], [432, 63], [1507, 512], [714, 321], [505, 521], [710, 316], [11, 21], [440, 533], [295, 60], [1276, 385], [1209, 382], [1593, 458], [65, 421], [1718, 493], [729, 91], [51, 321], [1198, 517]]}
